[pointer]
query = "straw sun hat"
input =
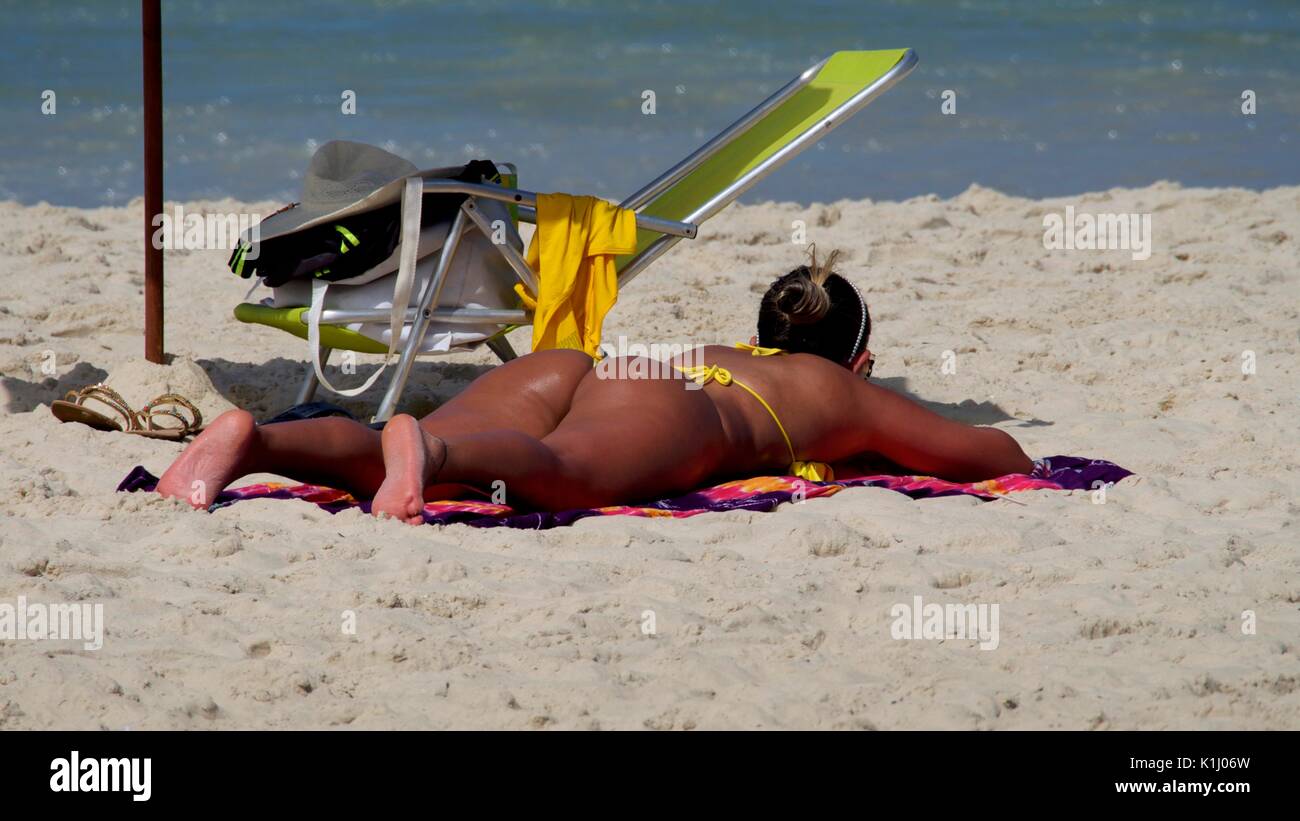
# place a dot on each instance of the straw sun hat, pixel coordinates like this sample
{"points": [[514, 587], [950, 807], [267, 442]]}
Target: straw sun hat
{"points": [[345, 178]]}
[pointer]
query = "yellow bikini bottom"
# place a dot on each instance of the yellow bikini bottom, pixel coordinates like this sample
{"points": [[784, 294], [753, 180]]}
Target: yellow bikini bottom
{"points": [[704, 374]]}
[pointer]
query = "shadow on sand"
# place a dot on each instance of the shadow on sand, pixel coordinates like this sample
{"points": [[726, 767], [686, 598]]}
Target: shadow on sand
{"points": [[24, 395], [265, 389], [968, 411]]}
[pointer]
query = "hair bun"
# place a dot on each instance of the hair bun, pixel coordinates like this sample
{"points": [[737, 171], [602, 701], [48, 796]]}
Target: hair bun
{"points": [[802, 300], [814, 310]]}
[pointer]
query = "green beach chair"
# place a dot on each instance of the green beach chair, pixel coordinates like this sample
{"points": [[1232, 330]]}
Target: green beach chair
{"points": [[668, 209]]}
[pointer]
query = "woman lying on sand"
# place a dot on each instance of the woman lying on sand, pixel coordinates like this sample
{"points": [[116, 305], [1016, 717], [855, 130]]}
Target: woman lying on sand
{"points": [[561, 434]]}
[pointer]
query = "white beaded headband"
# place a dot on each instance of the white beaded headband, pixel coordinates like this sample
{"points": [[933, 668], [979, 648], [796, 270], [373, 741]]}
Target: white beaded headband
{"points": [[862, 326]]}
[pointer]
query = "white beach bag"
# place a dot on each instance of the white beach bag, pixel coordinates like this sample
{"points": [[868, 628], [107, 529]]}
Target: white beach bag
{"points": [[479, 277]]}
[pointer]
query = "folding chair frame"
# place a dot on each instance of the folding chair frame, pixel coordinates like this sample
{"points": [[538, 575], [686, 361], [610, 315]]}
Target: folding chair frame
{"points": [[470, 217]]}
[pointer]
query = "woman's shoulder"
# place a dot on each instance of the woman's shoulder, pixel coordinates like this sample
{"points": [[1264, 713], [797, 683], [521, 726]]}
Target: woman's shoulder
{"points": [[814, 366], [699, 354]]}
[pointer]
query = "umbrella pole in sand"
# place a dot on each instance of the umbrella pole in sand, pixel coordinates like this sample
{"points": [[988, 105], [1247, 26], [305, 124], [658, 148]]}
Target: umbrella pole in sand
{"points": [[151, 32]]}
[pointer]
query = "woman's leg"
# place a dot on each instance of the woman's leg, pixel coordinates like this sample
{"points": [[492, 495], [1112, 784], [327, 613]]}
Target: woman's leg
{"points": [[531, 394], [622, 441], [333, 451]]}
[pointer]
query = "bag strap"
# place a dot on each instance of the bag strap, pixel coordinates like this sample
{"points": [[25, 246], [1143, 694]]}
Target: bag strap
{"points": [[319, 288], [412, 197]]}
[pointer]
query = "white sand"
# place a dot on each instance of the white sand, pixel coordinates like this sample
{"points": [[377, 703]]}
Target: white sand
{"points": [[1126, 614]]}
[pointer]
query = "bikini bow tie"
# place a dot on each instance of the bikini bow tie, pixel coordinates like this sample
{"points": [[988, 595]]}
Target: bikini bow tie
{"points": [[704, 374]]}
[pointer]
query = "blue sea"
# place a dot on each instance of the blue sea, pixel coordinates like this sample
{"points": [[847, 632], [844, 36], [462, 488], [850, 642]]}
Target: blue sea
{"points": [[1052, 96]]}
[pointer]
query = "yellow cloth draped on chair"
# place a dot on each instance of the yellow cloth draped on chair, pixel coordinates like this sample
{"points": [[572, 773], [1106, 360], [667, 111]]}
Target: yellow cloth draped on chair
{"points": [[573, 254]]}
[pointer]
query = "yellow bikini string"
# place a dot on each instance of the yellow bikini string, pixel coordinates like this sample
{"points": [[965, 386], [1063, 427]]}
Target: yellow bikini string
{"points": [[703, 374], [758, 350]]}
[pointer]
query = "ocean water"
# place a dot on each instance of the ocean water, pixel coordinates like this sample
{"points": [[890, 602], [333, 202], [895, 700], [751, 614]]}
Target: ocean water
{"points": [[1053, 96]]}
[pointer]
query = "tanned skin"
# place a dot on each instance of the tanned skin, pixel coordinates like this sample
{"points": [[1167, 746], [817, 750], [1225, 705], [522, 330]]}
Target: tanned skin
{"points": [[561, 434]]}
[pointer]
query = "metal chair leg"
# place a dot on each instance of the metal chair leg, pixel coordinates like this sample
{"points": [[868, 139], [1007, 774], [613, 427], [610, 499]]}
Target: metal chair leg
{"points": [[428, 300], [310, 383], [500, 346]]}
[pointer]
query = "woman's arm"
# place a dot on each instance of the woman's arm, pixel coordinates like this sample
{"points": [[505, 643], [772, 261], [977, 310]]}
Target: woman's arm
{"points": [[921, 440]]}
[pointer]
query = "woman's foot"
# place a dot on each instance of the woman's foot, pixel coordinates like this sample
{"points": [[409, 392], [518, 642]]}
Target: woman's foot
{"points": [[212, 461], [412, 459]]}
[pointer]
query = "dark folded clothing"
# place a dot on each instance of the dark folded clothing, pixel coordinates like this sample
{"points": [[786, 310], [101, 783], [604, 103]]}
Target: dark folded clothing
{"points": [[314, 410], [308, 410], [352, 245]]}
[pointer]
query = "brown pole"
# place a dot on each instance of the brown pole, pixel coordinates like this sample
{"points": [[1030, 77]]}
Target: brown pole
{"points": [[151, 29]]}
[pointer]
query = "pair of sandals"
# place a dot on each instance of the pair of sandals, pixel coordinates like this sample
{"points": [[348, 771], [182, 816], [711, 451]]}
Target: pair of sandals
{"points": [[143, 422]]}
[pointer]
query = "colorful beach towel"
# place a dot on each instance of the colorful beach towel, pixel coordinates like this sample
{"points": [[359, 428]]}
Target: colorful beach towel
{"points": [[761, 493]]}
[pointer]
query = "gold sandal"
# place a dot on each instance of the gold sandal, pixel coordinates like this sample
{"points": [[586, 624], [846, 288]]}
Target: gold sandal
{"points": [[72, 408], [140, 423], [146, 426]]}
